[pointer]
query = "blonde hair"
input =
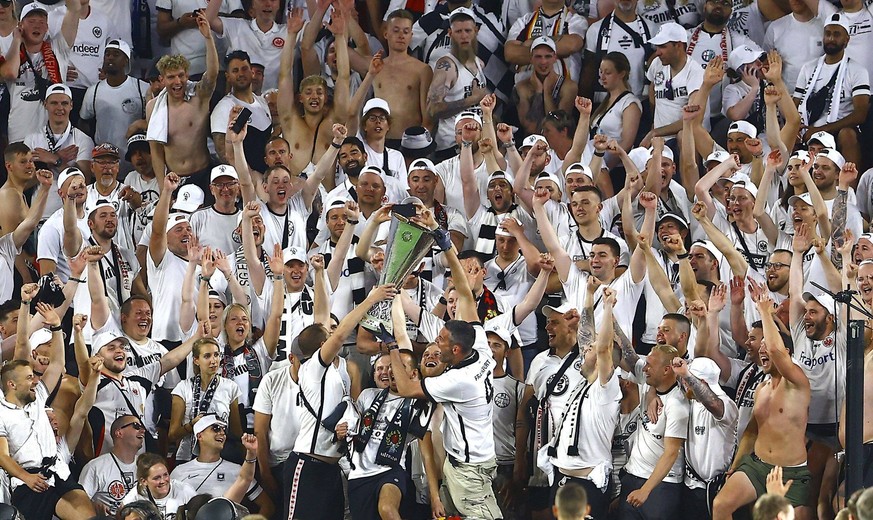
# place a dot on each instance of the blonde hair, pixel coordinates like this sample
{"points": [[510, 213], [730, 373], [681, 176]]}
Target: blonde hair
{"points": [[172, 62]]}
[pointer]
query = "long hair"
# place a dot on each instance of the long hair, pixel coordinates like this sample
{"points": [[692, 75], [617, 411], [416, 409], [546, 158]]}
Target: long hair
{"points": [[622, 66], [226, 315]]}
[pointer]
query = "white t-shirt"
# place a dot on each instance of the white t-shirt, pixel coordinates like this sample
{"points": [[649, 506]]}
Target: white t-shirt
{"points": [[260, 118], [508, 394], [466, 390], [262, 47], [226, 393], [294, 221], [114, 110], [449, 172], [611, 124], [215, 229], [708, 46], [683, 84], [189, 42], [50, 242], [626, 290], [657, 12], [364, 462], [179, 495], [212, 478], [511, 285], [26, 111], [134, 387], [824, 363], [277, 397], [87, 51], [861, 29], [856, 82], [710, 444], [390, 160], [38, 139], [615, 38], [107, 480], [322, 388], [559, 24], [797, 42], [649, 444]]}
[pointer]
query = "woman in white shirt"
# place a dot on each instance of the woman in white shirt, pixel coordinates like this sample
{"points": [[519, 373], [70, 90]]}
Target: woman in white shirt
{"points": [[203, 393], [618, 116], [154, 485]]}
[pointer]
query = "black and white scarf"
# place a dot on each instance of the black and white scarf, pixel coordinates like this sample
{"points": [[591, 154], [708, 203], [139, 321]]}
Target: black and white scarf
{"points": [[203, 400], [410, 418], [488, 229]]}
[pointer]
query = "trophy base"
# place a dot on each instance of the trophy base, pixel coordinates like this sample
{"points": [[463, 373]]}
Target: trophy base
{"points": [[380, 313]]}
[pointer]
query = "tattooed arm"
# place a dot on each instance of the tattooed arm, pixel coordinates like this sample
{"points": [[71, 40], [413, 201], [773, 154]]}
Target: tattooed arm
{"points": [[444, 77], [629, 356], [702, 392], [585, 334], [840, 212]]}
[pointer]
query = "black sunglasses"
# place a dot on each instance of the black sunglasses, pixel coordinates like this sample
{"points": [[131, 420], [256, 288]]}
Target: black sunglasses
{"points": [[135, 425]]}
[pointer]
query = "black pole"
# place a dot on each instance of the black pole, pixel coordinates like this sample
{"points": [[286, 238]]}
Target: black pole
{"points": [[854, 406]]}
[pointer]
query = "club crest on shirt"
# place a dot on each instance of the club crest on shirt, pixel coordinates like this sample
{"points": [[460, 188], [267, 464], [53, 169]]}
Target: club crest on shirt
{"points": [[659, 78], [278, 42], [97, 32], [561, 386], [501, 400], [116, 490], [707, 55]]}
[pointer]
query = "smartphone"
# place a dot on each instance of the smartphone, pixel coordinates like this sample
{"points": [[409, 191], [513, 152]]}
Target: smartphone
{"points": [[241, 119]]}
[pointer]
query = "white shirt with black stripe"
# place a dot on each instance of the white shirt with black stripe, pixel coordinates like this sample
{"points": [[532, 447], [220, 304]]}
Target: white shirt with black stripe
{"points": [[321, 389]]}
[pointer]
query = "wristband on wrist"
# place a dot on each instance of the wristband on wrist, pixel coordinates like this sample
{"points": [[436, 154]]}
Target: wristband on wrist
{"points": [[277, 277], [337, 146], [510, 144], [252, 461], [350, 221], [392, 346], [23, 302], [683, 256], [205, 278], [443, 301], [56, 328], [79, 280], [466, 144], [599, 154]]}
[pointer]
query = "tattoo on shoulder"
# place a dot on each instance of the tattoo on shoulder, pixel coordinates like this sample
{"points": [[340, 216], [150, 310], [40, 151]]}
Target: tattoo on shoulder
{"points": [[444, 64]]}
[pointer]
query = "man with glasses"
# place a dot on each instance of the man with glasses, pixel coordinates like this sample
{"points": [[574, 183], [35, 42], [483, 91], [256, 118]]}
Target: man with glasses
{"points": [[675, 77], [212, 225], [376, 122], [108, 478]]}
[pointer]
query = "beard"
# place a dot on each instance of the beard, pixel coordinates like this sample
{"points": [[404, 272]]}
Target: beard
{"points": [[716, 18], [354, 171], [833, 49], [466, 53]]}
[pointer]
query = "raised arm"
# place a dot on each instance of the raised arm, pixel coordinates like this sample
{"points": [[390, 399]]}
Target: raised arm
{"points": [[407, 385], [701, 189], [580, 136], [158, 240], [321, 298], [257, 274], [363, 92], [72, 237], [222, 263], [522, 188], [563, 262], [211, 12], [285, 100], [325, 165], [657, 276], [70, 23], [800, 245], [331, 347], [470, 185], [308, 54], [188, 311], [603, 344], [338, 259], [23, 231], [173, 358], [529, 251], [237, 491], [55, 369], [822, 215], [739, 265], [100, 312], [247, 186], [487, 104], [776, 350], [22, 329], [84, 403], [206, 85], [688, 171], [536, 292], [273, 326], [774, 162], [739, 330], [707, 344], [702, 392], [339, 27], [365, 242], [513, 158]]}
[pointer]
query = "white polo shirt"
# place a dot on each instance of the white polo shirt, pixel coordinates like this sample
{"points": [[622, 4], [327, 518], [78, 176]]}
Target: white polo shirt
{"points": [[277, 397], [466, 391], [263, 47], [322, 388]]}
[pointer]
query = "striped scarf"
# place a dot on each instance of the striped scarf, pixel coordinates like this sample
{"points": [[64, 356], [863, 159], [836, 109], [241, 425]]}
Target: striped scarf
{"points": [[488, 229], [49, 60]]}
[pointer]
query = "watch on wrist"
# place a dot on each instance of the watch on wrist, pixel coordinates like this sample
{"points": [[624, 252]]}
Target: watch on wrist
{"points": [[59, 162]]}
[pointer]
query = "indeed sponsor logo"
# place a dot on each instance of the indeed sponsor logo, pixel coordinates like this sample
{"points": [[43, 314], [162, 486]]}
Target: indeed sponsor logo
{"points": [[86, 49]]}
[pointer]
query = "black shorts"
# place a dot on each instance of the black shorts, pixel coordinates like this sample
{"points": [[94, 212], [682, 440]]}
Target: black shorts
{"points": [[309, 481], [41, 506], [364, 492], [824, 434]]}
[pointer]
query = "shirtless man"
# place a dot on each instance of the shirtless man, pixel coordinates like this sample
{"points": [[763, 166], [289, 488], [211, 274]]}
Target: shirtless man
{"points": [[20, 176], [404, 80], [868, 420], [458, 81], [776, 434], [306, 118], [178, 143]]}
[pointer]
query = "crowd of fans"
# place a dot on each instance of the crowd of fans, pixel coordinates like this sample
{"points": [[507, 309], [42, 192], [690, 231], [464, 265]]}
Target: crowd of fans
{"points": [[632, 215]]}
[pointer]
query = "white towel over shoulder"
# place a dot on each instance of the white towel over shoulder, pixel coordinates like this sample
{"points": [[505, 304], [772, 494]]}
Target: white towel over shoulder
{"points": [[159, 124]]}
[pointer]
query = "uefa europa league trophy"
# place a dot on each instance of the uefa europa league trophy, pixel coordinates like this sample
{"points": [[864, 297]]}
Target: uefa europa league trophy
{"points": [[408, 244]]}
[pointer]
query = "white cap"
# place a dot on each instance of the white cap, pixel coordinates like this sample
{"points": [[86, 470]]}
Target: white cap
{"points": [[293, 253], [748, 186], [825, 300], [59, 88], [670, 32], [835, 19], [667, 153], [501, 332], [104, 338], [531, 140], [176, 219], [93, 205], [462, 11], [65, 174], [675, 216], [207, 421], [735, 178], [584, 169], [806, 197], [375, 103], [500, 174], [468, 115], [562, 309], [543, 40], [30, 8], [39, 337], [824, 138], [802, 155], [546, 176], [223, 170], [833, 155], [718, 156], [707, 371], [709, 246], [639, 156], [743, 127], [422, 164], [189, 198], [500, 232], [372, 169], [121, 45], [742, 55]]}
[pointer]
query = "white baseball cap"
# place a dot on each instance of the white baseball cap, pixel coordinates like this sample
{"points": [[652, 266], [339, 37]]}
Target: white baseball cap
{"points": [[223, 170], [40, 336], [833, 155], [806, 197], [93, 205], [30, 8], [422, 164], [709, 246], [743, 127], [667, 153], [59, 88], [546, 176], [375, 103], [293, 253], [104, 338], [462, 11], [824, 138], [584, 169], [500, 174], [735, 178], [742, 55], [468, 115], [835, 19], [718, 156], [675, 216], [176, 219], [670, 32], [639, 156], [189, 198], [748, 186], [543, 40], [121, 45], [72, 171], [562, 309], [531, 140], [825, 300], [707, 371]]}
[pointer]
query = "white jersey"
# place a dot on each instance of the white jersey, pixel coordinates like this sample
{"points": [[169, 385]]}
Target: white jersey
{"points": [[72, 136], [114, 109], [856, 82], [262, 47], [213, 478], [249, 365], [449, 172], [658, 12], [508, 393], [189, 42], [626, 290], [107, 480], [463, 88], [179, 495], [543, 369], [226, 393], [466, 391], [755, 247], [686, 82], [710, 444], [861, 31], [824, 363], [649, 441], [87, 51], [797, 42], [587, 428], [26, 111], [124, 396], [321, 389], [612, 35], [622, 444], [215, 229], [288, 229], [277, 397], [511, 285], [535, 24]]}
